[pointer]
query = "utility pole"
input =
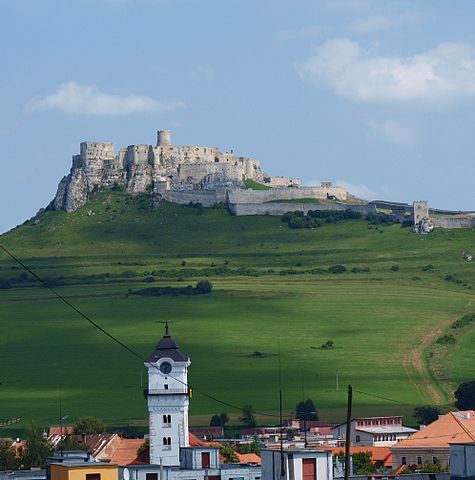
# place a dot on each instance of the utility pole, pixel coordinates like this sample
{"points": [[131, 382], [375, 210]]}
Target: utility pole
{"points": [[281, 421], [348, 432]]}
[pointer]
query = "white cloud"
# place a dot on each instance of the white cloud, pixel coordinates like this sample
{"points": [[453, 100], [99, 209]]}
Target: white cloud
{"points": [[390, 131], [201, 72], [445, 72], [376, 23], [80, 99]]}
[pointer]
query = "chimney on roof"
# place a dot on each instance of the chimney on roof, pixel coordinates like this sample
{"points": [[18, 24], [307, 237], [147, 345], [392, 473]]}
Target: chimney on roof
{"points": [[421, 427]]}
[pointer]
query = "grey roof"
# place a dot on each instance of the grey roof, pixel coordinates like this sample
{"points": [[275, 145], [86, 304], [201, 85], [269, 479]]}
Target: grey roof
{"points": [[167, 348], [386, 429]]}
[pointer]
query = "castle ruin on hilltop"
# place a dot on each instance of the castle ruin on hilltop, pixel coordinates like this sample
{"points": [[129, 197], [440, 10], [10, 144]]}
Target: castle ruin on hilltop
{"points": [[178, 173], [187, 174]]}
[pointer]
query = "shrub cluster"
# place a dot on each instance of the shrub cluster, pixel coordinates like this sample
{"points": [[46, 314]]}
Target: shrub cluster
{"points": [[380, 219], [321, 271], [454, 279], [316, 218], [202, 287], [464, 321], [446, 340]]}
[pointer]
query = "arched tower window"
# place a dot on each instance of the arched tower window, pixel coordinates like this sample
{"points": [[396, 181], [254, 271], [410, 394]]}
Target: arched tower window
{"points": [[169, 419], [164, 419], [165, 441], [169, 441]]}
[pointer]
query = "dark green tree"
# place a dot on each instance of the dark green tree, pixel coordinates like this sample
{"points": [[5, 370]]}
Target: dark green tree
{"points": [[204, 286], [228, 453], [215, 421], [247, 416], [253, 447], [426, 414], [465, 395], [88, 425], [219, 420], [36, 449], [8, 458], [224, 419], [432, 467], [306, 410], [71, 443], [362, 463]]}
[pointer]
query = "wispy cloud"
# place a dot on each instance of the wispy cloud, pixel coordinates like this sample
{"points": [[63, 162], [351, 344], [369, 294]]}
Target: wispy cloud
{"points": [[201, 72], [445, 72], [362, 191], [390, 131], [376, 23], [347, 5], [75, 98]]}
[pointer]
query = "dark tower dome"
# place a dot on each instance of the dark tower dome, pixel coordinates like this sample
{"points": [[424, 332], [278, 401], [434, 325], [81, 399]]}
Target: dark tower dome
{"points": [[167, 348]]}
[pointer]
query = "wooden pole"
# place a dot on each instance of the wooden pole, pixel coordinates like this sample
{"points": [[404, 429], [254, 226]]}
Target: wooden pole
{"points": [[348, 432]]}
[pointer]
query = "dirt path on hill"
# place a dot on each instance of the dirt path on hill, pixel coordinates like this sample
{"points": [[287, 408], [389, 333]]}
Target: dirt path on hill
{"points": [[424, 378]]}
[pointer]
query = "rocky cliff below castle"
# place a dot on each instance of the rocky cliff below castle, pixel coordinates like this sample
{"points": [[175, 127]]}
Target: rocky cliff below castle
{"points": [[179, 173]]}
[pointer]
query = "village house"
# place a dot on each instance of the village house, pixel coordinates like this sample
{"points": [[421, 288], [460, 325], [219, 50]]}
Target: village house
{"points": [[432, 443], [374, 431]]}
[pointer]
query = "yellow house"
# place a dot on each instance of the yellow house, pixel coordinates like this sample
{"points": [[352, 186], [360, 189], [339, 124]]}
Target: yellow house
{"points": [[84, 471]]}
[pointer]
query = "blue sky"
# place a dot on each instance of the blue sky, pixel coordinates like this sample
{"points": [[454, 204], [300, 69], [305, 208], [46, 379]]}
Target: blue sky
{"points": [[378, 95]]}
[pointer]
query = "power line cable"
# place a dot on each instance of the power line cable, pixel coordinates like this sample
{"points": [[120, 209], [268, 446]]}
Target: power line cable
{"points": [[377, 396], [116, 340]]}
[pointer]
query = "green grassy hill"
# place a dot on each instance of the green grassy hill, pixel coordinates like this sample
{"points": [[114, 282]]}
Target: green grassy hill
{"points": [[271, 284]]}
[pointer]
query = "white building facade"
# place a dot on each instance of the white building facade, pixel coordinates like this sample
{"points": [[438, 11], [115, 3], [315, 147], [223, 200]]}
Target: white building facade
{"points": [[168, 400], [374, 431]]}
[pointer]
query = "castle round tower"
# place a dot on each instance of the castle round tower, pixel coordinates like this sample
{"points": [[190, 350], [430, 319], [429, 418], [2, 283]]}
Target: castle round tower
{"points": [[168, 400], [164, 137]]}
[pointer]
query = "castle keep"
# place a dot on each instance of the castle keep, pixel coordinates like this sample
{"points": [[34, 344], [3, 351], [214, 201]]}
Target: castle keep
{"points": [[178, 173]]}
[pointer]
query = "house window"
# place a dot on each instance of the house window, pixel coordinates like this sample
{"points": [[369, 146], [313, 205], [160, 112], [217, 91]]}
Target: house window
{"points": [[358, 438], [403, 461], [166, 386], [419, 460], [435, 460], [151, 476], [93, 476]]}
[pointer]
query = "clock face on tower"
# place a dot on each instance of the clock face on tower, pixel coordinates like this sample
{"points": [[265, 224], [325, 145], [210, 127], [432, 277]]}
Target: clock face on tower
{"points": [[165, 368]]}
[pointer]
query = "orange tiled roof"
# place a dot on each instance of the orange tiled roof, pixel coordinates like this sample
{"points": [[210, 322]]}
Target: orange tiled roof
{"points": [[249, 458], [378, 454], [196, 442], [67, 430], [454, 427], [126, 452]]}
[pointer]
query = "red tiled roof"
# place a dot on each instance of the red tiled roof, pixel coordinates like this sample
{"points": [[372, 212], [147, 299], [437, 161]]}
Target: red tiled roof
{"points": [[126, 452], [453, 427], [196, 442]]}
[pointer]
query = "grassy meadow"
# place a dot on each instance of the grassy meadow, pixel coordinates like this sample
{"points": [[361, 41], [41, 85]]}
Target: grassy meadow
{"points": [[270, 286]]}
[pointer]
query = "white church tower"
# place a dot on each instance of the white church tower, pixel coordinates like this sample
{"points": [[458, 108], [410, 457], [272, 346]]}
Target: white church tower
{"points": [[168, 399]]}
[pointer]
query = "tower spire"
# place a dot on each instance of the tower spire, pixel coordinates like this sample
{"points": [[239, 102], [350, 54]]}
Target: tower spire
{"points": [[167, 333]]}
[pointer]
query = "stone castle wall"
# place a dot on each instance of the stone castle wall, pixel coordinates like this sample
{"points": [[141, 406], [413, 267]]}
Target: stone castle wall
{"points": [[261, 196], [207, 198], [453, 222], [241, 209]]}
